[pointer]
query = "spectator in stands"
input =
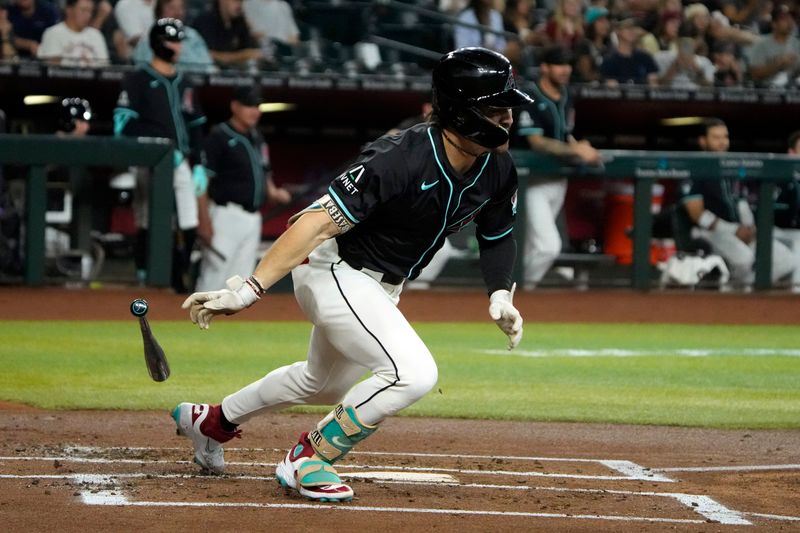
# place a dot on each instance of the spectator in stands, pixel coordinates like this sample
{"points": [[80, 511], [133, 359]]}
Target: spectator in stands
{"points": [[683, 68], [518, 19], [708, 29], [775, 60], [723, 217], [565, 26], [546, 126], [227, 35], [271, 21], [29, 19], [480, 12], [626, 63], [744, 13], [7, 50], [135, 17], [194, 53], [728, 70], [591, 51], [104, 20], [666, 34], [73, 42]]}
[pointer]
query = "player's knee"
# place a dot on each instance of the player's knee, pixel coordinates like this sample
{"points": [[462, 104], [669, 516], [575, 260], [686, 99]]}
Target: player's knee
{"points": [[421, 380]]}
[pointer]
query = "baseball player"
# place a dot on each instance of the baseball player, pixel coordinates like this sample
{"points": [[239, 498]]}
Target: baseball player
{"points": [[720, 210], [350, 253], [240, 178], [158, 101], [546, 126]]}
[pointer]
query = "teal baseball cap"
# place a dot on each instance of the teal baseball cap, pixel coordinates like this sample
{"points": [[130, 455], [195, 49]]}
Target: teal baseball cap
{"points": [[593, 13]]}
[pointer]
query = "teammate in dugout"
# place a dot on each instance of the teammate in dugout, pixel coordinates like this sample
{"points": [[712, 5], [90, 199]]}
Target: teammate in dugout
{"points": [[240, 179], [351, 251], [156, 100]]}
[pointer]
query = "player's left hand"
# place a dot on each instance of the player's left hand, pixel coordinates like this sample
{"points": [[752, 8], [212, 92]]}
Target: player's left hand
{"points": [[203, 306], [503, 312]]}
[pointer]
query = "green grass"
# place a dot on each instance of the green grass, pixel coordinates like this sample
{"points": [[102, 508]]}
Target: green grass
{"points": [[99, 365]]}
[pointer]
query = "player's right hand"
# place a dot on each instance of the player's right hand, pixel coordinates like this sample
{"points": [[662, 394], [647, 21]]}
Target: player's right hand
{"points": [[507, 317], [204, 306]]}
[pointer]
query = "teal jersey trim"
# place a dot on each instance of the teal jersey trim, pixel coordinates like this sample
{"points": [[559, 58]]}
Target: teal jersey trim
{"points": [[447, 209], [556, 110], [524, 132], [691, 197], [199, 121], [471, 213], [255, 165], [458, 204], [339, 202], [509, 230], [122, 115], [174, 106]]}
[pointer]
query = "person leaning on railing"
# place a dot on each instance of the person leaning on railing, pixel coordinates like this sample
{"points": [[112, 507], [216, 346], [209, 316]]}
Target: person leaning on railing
{"points": [[7, 50]]}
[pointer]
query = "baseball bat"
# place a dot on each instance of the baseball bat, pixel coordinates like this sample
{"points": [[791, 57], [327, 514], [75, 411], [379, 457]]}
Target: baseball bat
{"points": [[154, 357]]}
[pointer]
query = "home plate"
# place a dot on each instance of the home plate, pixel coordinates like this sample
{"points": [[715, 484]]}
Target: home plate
{"points": [[408, 477]]}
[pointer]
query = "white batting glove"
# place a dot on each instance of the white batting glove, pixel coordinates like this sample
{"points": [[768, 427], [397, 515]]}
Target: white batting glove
{"points": [[203, 306], [503, 312]]}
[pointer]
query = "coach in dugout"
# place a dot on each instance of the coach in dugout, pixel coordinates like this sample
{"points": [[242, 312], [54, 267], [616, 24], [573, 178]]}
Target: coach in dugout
{"points": [[720, 211], [157, 101], [240, 179]]}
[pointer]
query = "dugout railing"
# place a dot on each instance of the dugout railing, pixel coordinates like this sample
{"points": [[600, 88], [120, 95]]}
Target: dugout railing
{"points": [[41, 151], [644, 168]]}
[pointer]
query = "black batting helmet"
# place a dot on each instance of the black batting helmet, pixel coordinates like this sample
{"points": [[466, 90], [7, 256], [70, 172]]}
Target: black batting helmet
{"points": [[468, 79], [163, 31], [73, 110]]}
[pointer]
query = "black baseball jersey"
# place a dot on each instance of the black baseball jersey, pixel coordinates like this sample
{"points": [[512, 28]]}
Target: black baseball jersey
{"points": [[719, 196], [400, 198], [238, 165], [546, 117], [787, 205], [152, 105]]}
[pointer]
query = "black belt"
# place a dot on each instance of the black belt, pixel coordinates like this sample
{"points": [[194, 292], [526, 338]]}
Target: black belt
{"points": [[240, 205], [383, 277]]}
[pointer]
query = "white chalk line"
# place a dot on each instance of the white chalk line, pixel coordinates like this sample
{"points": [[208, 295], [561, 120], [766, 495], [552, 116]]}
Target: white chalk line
{"points": [[344, 469], [624, 352], [737, 468]]}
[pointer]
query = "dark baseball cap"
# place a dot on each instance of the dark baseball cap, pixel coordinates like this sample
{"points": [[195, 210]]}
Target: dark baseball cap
{"points": [[781, 10], [556, 55], [249, 95]]}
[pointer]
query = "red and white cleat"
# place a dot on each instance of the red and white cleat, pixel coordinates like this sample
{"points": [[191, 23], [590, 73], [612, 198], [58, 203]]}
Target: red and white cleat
{"points": [[201, 423], [314, 478]]}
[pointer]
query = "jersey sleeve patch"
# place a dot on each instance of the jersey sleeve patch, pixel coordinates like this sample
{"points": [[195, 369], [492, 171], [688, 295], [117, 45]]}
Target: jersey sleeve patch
{"points": [[327, 204]]}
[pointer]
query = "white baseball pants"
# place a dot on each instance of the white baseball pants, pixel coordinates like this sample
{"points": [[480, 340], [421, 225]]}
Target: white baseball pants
{"points": [[185, 199], [237, 234], [357, 329], [543, 201], [740, 256]]}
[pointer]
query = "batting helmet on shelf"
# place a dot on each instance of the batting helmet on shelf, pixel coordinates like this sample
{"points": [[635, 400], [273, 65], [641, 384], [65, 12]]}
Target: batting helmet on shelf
{"points": [[166, 30], [465, 82], [73, 110]]}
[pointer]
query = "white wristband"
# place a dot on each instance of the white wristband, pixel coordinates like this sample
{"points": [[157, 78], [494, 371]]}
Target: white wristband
{"points": [[707, 219], [248, 294]]}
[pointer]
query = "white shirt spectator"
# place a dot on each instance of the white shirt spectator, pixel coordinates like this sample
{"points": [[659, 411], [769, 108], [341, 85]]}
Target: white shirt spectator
{"points": [[135, 17], [768, 50], [271, 19], [472, 37], [86, 48], [684, 79]]}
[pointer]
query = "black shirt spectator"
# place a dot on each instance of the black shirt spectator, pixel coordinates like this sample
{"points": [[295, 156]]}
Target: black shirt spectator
{"points": [[29, 19], [627, 64], [227, 34]]}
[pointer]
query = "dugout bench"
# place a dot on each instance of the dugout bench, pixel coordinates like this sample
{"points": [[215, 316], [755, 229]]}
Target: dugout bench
{"points": [[40, 151], [645, 168]]}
